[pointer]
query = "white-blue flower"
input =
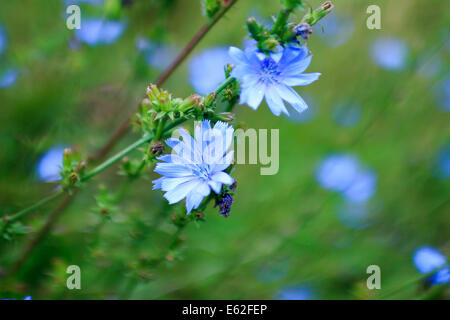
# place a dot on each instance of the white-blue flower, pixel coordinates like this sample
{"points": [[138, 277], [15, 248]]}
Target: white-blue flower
{"points": [[97, 31], [206, 70], [428, 259], [197, 164], [271, 77]]}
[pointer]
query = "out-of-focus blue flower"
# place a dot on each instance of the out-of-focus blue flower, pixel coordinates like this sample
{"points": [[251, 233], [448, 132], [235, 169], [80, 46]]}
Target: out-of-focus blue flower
{"points": [[158, 56], [343, 173], [429, 64], [309, 114], [428, 259], [355, 215], [271, 77], [271, 271], [8, 78], [296, 293], [335, 30], [362, 188], [390, 53], [443, 162], [443, 94], [2, 39], [337, 171], [95, 2], [26, 298], [196, 165], [207, 69], [97, 31], [50, 164], [347, 114]]}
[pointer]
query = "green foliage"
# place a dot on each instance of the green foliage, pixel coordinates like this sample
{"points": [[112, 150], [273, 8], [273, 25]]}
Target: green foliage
{"points": [[284, 230], [211, 7]]}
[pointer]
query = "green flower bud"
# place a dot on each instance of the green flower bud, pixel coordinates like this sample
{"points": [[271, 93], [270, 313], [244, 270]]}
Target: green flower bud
{"points": [[269, 44], [254, 28], [73, 178], [210, 98], [153, 92], [226, 116], [314, 16], [192, 102], [67, 157]]}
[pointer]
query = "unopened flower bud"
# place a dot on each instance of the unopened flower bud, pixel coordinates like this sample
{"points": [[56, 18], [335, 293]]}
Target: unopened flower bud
{"points": [[170, 257], [228, 69], [210, 98], [80, 166], [313, 17], [153, 92], [126, 164], [73, 178], [269, 44], [303, 30], [191, 102], [253, 27], [146, 103], [67, 157], [226, 116], [157, 148]]}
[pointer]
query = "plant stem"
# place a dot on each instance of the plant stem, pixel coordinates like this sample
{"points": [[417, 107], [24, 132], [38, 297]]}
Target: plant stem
{"points": [[281, 21], [117, 157], [223, 85], [35, 206]]}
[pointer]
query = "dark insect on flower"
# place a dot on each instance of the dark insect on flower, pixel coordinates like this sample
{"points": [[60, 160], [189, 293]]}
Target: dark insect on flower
{"points": [[304, 30], [157, 148]]}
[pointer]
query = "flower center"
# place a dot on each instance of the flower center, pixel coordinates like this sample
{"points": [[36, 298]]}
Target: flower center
{"points": [[202, 172], [269, 70]]}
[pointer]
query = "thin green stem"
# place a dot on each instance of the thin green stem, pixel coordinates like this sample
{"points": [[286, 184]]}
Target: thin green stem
{"points": [[281, 21], [223, 85], [117, 157], [35, 206]]}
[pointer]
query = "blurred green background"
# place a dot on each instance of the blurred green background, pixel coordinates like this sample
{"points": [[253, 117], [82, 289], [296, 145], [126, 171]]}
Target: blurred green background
{"points": [[287, 234]]}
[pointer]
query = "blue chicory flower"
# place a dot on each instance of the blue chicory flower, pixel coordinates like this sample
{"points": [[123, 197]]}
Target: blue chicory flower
{"points": [[96, 31], [355, 215], [2, 39], [442, 169], [207, 69], [8, 78], [442, 92], [296, 293], [93, 2], [49, 166], [334, 29], [271, 77], [196, 165], [158, 56], [346, 113], [428, 259], [390, 53], [343, 173]]}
